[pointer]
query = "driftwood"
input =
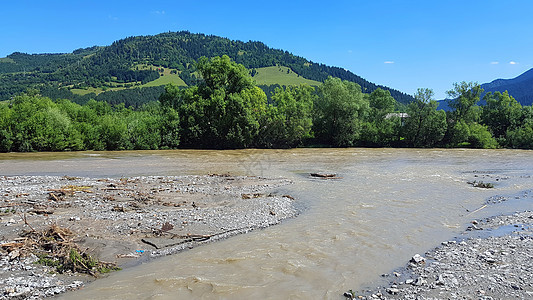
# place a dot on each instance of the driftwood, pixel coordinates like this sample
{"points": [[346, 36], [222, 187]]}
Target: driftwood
{"points": [[26, 222], [38, 211], [475, 211], [160, 243], [127, 255], [117, 189], [11, 246], [250, 196], [56, 195], [118, 208], [195, 237], [325, 176]]}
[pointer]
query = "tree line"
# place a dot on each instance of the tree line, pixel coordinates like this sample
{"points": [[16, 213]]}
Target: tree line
{"points": [[132, 97], [32, 122], [226, 110]]}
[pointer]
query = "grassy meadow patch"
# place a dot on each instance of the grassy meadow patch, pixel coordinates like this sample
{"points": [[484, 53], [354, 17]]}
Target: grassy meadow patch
{"points": [[280, 75]]}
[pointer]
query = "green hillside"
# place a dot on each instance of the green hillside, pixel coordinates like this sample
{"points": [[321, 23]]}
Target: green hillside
{"points": [[167, 57]]}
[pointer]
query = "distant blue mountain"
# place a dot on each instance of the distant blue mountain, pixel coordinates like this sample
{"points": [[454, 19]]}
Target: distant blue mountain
{"points": [[521, 88], [443, 105]]}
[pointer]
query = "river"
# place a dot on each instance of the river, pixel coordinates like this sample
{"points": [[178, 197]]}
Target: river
{"points": [[388, 205]]}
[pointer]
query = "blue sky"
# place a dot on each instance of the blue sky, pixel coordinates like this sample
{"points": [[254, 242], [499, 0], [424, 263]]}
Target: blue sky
{"points": [[401, 44]]}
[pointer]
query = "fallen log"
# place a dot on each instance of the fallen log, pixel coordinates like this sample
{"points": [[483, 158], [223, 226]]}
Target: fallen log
{"points": [[41, 211], [324, 175]]}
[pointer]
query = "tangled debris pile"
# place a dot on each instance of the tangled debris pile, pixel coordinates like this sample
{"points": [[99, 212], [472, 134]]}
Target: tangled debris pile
{"points": [[57, 248], [59, 232], [33, 261]]}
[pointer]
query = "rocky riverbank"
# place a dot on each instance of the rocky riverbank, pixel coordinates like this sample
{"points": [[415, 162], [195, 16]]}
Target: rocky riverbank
{"points": [[119, 222], [492, 260]]}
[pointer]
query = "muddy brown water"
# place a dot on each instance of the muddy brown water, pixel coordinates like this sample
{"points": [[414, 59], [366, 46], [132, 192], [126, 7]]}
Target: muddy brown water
{"points": [[388, 205]]}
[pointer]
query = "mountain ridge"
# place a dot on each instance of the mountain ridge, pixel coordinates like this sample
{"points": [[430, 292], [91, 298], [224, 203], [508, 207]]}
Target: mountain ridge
{"points": [[527, 75], [520, 87]]}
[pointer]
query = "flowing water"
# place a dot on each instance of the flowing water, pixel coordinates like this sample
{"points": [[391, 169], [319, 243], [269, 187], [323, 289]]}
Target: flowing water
{"points": [[388, 205]]}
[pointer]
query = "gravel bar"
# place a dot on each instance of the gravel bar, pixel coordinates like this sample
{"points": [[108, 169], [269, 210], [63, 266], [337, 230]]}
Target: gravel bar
{"points": [[126, 221], [493, 260]]}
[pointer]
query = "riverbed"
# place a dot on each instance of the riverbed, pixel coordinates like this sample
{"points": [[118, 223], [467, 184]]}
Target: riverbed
{"points": [[385, 205]]}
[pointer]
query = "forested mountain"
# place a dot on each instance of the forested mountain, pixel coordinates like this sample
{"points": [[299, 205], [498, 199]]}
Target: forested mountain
{"points": [[521, 87], [135, 62]]}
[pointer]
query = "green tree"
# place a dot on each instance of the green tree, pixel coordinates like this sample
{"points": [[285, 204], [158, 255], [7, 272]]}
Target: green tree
{"points": [[271, 130], [222, 111], [113, 132], [464, 97], [144, 130], [425, 126], [35, 123], [170, 128], [471, 135], [101, 108], [171, 97], [339, 111], [290, 117], [501, 113], [522, 135], [88, 123], [337, 119], [480, 137], [220, 73], [58, 132], [382, 126], [40, 125], [463, 127], [6, 134], [91, 137], [381, 103]]}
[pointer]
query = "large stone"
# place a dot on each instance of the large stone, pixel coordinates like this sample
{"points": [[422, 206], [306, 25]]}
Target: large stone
{"points": [[420, 281], [440, 280], [393, 291], [417, 259]]}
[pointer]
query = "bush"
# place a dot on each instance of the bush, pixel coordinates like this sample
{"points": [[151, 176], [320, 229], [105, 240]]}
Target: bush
{"points": [[521, 137], [480, 137]]}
